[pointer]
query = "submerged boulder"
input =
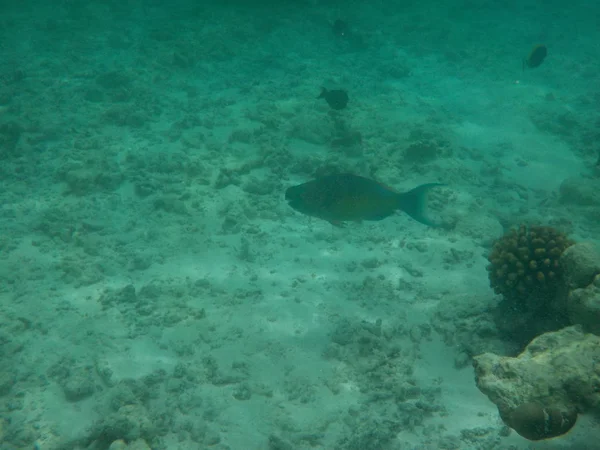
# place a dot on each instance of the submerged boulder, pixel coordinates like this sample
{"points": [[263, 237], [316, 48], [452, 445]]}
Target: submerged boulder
{"points": [[540, 392], [580, 263], [584, 306]]}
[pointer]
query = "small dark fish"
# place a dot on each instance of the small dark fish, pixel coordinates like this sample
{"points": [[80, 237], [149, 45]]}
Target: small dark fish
{"points": [[536, 57], [340, 28], [347, 197], [336, 99]]}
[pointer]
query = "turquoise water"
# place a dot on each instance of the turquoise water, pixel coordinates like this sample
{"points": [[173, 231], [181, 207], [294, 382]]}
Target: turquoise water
{"points": [[155, 286]]}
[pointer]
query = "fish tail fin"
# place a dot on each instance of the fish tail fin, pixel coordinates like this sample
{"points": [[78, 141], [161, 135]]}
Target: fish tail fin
{"points": [[414, 203], [323, 92]]}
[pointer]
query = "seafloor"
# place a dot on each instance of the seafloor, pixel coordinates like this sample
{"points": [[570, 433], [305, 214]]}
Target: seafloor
{"points": [[155, 285]]}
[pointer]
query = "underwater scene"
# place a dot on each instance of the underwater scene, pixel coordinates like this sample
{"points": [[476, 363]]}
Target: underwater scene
{"points": [[299, 225]]}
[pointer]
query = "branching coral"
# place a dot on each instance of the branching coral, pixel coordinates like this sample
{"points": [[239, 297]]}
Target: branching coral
{"points": [[525, 268]]}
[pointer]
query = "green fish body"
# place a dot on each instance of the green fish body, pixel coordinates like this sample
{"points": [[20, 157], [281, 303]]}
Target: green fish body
{"points": [[346, 197]]}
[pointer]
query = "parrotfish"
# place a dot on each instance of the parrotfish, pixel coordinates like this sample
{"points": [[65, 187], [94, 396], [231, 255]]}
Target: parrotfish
{"points": [[347, 197]]}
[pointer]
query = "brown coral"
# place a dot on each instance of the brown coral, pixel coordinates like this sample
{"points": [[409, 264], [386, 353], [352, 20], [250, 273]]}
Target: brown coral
{"points": [[525, 262], [536, 422]]}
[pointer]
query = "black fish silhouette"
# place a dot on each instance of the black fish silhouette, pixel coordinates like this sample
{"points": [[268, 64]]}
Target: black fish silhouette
{"points": [[336, 99], [536, 57]]}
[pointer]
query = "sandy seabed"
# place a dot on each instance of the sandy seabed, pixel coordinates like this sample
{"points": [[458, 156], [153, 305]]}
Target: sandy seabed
{"points": [[155, 287]]}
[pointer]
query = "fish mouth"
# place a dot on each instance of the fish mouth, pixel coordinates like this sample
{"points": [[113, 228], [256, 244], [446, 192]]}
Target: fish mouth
{"points": [[292, 194], [293, 197]]}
